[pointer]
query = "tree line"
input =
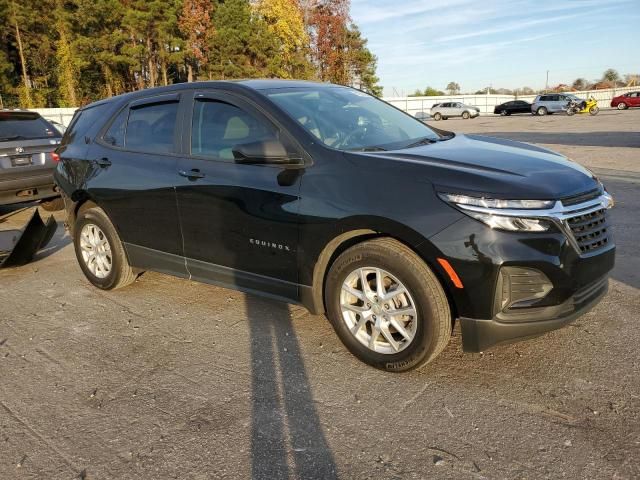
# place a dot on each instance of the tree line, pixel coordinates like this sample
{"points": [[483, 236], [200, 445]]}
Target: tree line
{"points": [[610, 79], [71, 52]]}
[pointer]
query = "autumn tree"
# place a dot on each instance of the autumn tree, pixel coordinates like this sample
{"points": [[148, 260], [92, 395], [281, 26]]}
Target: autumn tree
{"points": [[284, 20], [195, 26]]}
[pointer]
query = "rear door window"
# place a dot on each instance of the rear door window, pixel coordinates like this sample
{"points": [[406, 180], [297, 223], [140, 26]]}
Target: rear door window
{"points": [[24, 126], [151, 127]]}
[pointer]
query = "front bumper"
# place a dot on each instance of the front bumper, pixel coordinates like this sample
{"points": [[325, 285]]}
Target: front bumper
{"points": [[478, 335]]}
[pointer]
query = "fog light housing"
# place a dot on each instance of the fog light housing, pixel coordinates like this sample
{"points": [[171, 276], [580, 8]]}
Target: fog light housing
{"points": [[520, 287]]}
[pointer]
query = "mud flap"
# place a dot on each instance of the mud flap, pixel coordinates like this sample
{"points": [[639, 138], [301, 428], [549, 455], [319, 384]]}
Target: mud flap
{"points": [[18, 246]]}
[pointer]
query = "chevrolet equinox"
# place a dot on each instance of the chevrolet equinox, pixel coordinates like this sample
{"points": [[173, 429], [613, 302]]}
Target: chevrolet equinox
{"points": [[325, 196]]}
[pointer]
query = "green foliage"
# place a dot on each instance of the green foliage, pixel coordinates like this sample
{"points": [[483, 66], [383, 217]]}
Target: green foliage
{"points": [[72, 52], [611, 75], [453, 88]]}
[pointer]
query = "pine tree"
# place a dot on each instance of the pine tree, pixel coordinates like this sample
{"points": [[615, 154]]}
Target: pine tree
{"points": [[242, 46]]}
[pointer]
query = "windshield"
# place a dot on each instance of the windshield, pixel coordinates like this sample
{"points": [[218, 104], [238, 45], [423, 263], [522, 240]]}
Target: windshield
{"points": [[24, 126], [348, 119]]}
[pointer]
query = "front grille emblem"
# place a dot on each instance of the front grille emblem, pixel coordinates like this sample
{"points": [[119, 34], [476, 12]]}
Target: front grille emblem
{"points": [[19, 149]]}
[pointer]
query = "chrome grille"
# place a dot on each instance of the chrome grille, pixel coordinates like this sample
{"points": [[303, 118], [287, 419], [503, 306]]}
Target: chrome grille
{"points": [[591, 231]]}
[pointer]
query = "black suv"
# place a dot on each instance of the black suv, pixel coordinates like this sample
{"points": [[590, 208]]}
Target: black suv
{"points": [[325, 196]]}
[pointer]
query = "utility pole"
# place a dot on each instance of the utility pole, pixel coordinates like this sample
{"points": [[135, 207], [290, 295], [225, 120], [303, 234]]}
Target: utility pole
{"points": [[546, 85]]}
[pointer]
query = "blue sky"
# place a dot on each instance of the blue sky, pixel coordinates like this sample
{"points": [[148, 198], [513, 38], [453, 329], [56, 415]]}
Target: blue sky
{"points": [[501, 43]]}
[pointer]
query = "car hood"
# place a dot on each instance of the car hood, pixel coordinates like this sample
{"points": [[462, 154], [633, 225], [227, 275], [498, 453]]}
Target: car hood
{"points": [[479, 165]]}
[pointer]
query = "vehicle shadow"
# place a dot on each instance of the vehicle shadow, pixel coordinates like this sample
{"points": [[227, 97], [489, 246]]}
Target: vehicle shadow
{"points": [[587, 139], [287, 439]]}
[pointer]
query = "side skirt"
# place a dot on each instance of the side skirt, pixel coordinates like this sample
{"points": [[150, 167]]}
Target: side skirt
{"points": [[197, 270]]}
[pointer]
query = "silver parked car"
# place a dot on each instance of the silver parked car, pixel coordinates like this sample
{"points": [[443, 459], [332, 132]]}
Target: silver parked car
{"points": [[550, 103], [442, 111]]}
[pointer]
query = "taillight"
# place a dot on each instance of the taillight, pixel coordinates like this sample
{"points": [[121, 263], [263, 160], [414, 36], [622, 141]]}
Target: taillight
{"points": [[55, 157]]}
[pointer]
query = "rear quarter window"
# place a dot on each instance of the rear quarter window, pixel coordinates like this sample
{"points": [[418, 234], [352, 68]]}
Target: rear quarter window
{"points": [[81, 124]]}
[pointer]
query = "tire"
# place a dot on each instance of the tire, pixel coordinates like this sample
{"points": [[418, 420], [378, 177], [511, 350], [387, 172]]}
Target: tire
{"points": [[504, 113], [594, 110], [542, 111], [465, 115], [437, 116], [571, 112], [622, 106], [431, 323], [52, 204], [120, 273]]}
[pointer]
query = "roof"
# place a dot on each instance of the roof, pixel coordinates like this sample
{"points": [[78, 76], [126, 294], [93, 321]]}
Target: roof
{"points": [[253, 84]]}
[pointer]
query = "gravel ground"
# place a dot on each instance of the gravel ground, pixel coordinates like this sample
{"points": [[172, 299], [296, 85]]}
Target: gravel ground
{"points": [[173, 379]]}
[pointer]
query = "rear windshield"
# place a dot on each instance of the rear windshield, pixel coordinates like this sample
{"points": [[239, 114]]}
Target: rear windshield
{"points": [[24, 126]]}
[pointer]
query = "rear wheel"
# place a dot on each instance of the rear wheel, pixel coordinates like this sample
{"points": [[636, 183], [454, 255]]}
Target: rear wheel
{"points": [[542, 111], [465, 115], [437, 116], [100, 252], [622, 106], [387, 306]]}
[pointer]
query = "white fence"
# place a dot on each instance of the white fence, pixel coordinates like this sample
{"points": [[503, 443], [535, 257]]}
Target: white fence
{"points": [[60, 115], [486, 103]]}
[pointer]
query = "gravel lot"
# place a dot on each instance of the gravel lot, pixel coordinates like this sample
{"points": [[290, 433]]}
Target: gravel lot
{"points": [[173, 379]]}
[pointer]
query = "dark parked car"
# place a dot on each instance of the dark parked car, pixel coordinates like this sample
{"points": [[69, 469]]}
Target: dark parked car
{"points": [[628, 100], [325, 196], [514, 106], [27, 142]]}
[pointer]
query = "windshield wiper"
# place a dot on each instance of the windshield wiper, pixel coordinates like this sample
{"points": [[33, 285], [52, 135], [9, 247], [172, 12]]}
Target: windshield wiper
{"points": [[368, 149], [422, 141]]}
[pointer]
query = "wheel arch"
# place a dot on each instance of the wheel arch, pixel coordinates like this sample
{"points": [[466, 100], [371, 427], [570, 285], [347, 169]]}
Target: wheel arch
{"points": [[313, 297]]}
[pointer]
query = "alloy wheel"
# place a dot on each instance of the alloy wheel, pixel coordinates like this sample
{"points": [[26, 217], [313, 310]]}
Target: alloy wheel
{"points": [[378, 310], [96, 251]]}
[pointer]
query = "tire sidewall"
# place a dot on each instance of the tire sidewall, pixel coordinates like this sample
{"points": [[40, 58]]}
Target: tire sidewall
{"points": [[98, 218], [424, 341], [541, 111], [437, 117]]}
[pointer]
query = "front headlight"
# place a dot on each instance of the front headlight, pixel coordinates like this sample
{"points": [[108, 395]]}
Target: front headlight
{"points": [[488, 211]]}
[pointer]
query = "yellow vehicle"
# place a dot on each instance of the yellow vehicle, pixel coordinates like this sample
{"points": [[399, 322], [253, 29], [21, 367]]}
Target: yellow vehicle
{"points": [[589, 106]]}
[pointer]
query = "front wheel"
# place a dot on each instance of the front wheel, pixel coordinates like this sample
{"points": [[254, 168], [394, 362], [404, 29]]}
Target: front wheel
{"points": [[387, 306], [570, 112], [503, 113], [594, 110], [437, 117], [622, 106], [100, 252], [465, 115]]}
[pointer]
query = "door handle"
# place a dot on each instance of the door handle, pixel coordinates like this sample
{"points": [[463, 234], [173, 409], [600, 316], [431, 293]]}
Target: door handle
{"points": [[193, 173], [103, 162]]}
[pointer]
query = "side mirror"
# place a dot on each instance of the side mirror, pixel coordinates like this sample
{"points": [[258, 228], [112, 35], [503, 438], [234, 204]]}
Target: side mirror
{"points": [[267, 152]]}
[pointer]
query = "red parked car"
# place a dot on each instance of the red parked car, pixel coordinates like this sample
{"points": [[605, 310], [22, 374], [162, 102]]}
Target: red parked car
{"points": [[631, 99]]}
